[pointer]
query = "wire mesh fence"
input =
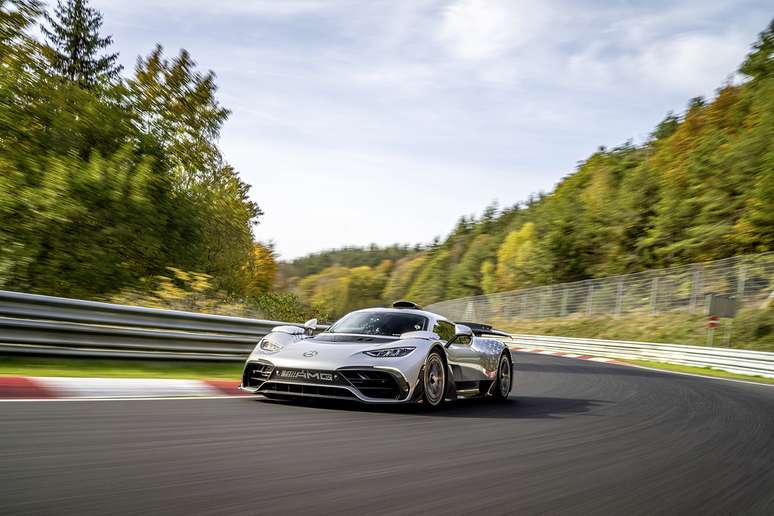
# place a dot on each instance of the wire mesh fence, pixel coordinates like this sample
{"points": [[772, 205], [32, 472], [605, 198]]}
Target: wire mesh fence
{"points": [[747, 279]]}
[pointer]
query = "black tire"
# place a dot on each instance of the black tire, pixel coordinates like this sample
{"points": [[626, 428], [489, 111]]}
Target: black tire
{"points": [[433, 380], [504, 382]]}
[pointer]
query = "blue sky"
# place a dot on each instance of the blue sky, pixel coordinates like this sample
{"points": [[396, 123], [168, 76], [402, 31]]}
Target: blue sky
{"points": [[385, 121]]}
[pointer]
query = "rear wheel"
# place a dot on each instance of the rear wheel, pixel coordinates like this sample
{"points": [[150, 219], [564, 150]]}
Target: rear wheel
{"points": [[434, 380], [504, 381]]}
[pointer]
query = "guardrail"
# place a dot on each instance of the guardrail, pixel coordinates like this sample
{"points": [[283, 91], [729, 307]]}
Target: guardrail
{"points": [[35, 324], [740, 361]]}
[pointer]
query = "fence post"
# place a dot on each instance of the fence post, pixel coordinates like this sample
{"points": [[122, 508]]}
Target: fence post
{"points": [[589, 301], [547, 305], [695, 289], [564, 303], [619, 298], [742, 281], [654, 296]]}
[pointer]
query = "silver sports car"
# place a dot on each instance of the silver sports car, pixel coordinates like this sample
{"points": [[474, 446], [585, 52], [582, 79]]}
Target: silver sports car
{"points": [[401, 354]]}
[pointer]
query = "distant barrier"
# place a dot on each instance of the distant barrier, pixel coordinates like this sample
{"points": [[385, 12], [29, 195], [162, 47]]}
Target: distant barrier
{"points": [[740, 361], [747, 279]]}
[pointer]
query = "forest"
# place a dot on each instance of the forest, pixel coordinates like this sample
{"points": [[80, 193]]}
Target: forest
{"points": [[111, 182], [701, 187], [112, 187]]}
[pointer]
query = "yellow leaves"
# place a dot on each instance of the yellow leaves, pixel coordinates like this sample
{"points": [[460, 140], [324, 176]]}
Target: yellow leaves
{"points": [[515, 258], [488, 277], [327, 290], [181, 290], [260, 273]]}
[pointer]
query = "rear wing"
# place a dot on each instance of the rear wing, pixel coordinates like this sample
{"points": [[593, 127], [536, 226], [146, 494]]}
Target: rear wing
{"points": [[483, 329]]}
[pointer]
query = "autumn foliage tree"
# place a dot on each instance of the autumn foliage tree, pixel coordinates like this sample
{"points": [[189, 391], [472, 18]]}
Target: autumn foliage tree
{"points": [[106, 181]]}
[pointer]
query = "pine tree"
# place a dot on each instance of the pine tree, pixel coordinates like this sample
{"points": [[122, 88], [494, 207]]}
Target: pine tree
{"points": [[76, 44]]}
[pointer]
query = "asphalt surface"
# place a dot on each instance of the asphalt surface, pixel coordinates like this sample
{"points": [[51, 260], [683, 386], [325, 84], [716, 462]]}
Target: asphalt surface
{"points": [[576, 437]]}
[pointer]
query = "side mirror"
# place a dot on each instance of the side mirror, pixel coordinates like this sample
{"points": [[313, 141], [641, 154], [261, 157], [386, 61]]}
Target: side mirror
{"points": [[310, 326], [290, 330], [462, 334]]}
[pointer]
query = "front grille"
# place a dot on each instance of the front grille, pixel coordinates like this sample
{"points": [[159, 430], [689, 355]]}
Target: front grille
{"points": [[288, 375], [294, 389], [373, 383], [256, 373]]}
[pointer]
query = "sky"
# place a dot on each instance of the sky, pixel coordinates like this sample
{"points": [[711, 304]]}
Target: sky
{"points": [[384, 121]]}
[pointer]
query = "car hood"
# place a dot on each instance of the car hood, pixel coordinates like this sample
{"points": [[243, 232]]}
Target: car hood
{"points": [[330, 351]]}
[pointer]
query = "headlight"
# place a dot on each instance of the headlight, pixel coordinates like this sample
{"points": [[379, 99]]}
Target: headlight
{"points": [[389, 352], [269, 346]]}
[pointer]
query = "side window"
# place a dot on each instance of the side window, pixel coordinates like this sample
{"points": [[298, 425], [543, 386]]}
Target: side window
{"points": [[444, 329]]}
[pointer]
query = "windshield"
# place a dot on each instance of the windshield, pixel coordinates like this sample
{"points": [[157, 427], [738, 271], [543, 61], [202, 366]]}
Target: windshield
{"points": [[391, 324]]}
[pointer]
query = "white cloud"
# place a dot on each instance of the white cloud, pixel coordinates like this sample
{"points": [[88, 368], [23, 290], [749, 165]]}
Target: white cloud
{"points": [[690, 63], [684, 63], [487, 29], [269, 8]]}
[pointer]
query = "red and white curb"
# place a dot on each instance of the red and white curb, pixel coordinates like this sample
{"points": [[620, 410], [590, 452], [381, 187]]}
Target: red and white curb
{"points": [[24, 387], [568, 355]]}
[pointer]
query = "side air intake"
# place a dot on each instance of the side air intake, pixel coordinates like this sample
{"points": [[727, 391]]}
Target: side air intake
{"points": [[406, 304]]}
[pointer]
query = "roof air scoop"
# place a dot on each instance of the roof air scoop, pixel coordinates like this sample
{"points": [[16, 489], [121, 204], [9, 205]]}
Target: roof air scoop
{"points": [[406, 304]]}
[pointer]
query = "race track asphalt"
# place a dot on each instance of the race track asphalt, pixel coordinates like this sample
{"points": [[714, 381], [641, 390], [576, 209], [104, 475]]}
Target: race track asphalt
{"points": [[576, 437]]}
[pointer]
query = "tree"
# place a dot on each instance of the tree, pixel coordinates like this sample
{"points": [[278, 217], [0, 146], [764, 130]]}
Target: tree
{"points": [[430, 285], [465, 276], [760, 62], [16, 17], [177, 105], [261, 270], [95, 195], [516, 259], [402, 276], [76, 45], [72, 220]]}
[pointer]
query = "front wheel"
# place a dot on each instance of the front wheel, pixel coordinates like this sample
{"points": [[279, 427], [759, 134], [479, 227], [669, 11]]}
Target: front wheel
{"points": [[504, 380], [434, 380]]}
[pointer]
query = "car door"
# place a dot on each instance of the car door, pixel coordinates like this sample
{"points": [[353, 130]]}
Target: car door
{"points": [[464, 360]]}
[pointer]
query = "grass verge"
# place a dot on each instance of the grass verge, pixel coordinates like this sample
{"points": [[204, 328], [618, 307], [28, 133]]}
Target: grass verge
{"points": [[98, 368], [704, 371], [752, 328]]}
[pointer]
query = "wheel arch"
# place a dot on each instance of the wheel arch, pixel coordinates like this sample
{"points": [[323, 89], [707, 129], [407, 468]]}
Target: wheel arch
{"points": [[451, 390]]}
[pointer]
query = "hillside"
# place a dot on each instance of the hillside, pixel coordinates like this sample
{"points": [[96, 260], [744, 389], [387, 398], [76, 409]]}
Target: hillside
{"points": [[700, 188]]}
